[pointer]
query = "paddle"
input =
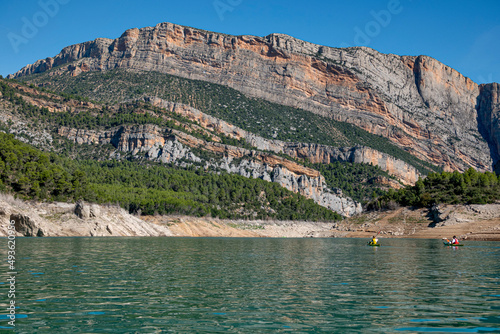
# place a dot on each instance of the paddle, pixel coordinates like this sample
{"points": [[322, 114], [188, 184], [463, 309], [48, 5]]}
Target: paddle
{"points": [[450, 243], [369, 242]]}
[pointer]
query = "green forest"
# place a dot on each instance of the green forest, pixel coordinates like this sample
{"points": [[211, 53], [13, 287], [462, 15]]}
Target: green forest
{"points": [[470, 187], [358, 181], [31, 174], [148, 188]]}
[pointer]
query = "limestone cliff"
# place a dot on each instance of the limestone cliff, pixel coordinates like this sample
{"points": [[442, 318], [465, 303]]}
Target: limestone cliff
{"points": [[172, 146], [417, 102], [489, 116], [315, 153]]}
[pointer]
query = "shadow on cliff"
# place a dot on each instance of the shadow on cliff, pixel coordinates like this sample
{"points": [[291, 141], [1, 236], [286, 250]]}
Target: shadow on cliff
{"points": [[484, 120]]}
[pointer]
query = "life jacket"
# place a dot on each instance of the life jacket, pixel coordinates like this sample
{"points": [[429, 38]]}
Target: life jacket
{"points": [[454, 242]]}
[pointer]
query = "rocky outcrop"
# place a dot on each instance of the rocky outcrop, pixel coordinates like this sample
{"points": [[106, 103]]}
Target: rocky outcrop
{"points": [[489, 117], [26, 226], [83, 210], [417, 102], [305, 181], [446, 215], [166, 145], [59, 219], [314, 153]]}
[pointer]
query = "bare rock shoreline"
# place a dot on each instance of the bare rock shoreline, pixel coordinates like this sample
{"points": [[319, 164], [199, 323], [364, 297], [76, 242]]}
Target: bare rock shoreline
{"points": [[467, 222], [35, 219], [66, 219]]}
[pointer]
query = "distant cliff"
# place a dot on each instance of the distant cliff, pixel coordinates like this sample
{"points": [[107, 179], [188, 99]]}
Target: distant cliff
{"points": [[489, 116], [171, 146], [417, 102], [313, 152]]}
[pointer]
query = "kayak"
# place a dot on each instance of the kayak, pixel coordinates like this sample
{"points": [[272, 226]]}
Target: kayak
{"points": [[372, 244], [448, 244]]}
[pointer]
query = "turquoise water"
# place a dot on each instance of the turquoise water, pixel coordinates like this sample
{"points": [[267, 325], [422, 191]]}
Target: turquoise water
{"points": [[233, 285]]}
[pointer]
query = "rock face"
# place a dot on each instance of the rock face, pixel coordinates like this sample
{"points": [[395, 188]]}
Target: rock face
{"points": [[445, 215], [315, 153], [26, 226], [84, 211], [489, 116], [166, 145], [33, 219], [417, 102]]}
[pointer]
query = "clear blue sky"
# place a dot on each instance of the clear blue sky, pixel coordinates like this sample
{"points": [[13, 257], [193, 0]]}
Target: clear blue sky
{"points": [[462, 34]]}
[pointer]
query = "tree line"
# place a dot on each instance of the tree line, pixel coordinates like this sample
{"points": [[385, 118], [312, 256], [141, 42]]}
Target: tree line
{"points": [[356, 180], [148, 188], [470, 187]]}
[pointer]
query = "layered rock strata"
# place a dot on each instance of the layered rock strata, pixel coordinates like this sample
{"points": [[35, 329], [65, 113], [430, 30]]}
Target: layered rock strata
{"points": [[314, 153], [417, 102], [173, 146]]}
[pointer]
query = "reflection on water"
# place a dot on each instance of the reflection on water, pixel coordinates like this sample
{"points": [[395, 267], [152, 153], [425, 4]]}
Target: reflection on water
{"points": [[116, 285]]}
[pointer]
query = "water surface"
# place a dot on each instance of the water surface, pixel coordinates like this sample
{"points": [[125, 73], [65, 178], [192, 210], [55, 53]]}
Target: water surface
{"points": [[253, 285]]}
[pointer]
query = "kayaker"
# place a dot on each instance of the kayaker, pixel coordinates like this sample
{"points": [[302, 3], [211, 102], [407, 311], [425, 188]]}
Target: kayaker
{"points": [[374, 240], [454, 241]]}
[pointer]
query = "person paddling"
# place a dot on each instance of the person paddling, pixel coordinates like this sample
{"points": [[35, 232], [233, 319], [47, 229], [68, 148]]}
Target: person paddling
{"points": [[374, 240], [454, 241]]}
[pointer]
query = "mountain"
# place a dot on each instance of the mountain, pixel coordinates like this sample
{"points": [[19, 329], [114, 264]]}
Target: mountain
{"points": [[140, 132], [274, 107], [418, 103]]}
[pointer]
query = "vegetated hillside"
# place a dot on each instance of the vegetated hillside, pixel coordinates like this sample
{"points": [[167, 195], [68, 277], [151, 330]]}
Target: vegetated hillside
{"points": [[37, 116], [98, 116], [70, 111], [269, 120], [470, 187], [148, 188], [361, 182], [30, 173]]}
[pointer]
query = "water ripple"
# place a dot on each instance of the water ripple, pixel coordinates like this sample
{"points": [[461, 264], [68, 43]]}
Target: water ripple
{"points": [[187, 285]]}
